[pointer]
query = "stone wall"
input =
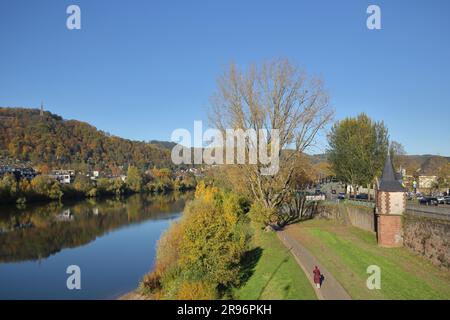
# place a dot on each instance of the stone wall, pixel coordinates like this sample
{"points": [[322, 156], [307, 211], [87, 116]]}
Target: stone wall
{"points": [[361, 217], [429, 237], [358, 216]]}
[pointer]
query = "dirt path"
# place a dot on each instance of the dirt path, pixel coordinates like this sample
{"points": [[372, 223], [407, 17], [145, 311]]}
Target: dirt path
{"points": [[331, 289]]}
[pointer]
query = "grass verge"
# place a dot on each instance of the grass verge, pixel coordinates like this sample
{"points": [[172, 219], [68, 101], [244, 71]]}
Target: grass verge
{"points": [[347, 252], [272, 272]]}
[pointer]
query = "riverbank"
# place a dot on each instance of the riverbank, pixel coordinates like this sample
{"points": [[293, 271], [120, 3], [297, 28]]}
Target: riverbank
{"points": [[271, 273], [133, 295], [45, 188]]}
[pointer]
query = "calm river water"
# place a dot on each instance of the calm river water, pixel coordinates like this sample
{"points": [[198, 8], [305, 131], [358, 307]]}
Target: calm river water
{"points": [[112, 241]]}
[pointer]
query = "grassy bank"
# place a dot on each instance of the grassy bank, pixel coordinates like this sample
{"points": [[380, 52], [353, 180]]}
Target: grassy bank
{"points": [[347, 252], [274, 273]]}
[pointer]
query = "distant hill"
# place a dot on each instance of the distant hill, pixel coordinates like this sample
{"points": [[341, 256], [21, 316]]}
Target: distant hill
{"points": [[422, 164], [52, 141], [318, 158], [164, 144], [426, 164]]}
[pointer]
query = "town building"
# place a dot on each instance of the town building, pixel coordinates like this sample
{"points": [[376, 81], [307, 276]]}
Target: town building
{"points": [[18, 172], [63, 176]]}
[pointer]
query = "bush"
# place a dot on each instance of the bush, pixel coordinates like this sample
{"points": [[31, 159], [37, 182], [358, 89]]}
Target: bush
{"points": [[200, 254], [134, 179], [260, 214], [212, 243], [104, 186], [198, 290], [46, 187], [8, 188], [151, 283], [82, 184], [168, 246]]}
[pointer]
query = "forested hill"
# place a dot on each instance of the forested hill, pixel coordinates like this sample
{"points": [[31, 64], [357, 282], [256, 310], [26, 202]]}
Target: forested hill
{"points": [[50, 141]]}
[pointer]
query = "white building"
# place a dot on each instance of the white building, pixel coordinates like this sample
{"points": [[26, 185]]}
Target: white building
{"points": [[63, 176]]}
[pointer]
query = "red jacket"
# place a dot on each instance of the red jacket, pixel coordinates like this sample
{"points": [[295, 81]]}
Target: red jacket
{"points": [[316, 275]]}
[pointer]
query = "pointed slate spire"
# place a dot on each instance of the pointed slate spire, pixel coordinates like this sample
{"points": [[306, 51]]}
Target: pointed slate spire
{"points": [[388, 182]]}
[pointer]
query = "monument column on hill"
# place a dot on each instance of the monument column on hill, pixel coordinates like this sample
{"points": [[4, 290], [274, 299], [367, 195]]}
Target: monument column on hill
{"points": [[391, 204]]}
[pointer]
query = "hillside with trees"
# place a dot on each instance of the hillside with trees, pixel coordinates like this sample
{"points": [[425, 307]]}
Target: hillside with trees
{"points": [[49, 141]]}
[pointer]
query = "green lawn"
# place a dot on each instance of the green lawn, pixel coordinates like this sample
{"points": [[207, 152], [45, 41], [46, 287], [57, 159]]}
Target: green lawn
{"points": [[347, 252], [275, 275]]}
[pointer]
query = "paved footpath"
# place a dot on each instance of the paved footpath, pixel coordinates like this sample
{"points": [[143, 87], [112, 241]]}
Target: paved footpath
{"points": [[331, 289]]}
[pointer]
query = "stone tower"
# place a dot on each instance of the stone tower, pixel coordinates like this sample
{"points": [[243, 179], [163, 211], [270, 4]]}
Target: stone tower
{"points": [[391, 204]]}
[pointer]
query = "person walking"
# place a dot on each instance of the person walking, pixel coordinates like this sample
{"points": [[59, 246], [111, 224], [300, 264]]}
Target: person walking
{"points": [[317, 277]]}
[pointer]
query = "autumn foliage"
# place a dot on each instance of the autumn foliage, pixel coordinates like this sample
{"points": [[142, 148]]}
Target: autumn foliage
{"points": [[50, 141], [198, 257]]}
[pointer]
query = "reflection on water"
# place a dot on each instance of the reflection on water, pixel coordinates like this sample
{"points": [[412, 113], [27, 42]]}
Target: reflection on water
{"points": [[113, 241]]}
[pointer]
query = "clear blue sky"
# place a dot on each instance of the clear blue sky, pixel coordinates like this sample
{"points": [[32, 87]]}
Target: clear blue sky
{"points": [[140, 69]]}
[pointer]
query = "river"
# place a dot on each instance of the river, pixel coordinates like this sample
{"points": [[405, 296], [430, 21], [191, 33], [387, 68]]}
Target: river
{"points": [[112, 241]]}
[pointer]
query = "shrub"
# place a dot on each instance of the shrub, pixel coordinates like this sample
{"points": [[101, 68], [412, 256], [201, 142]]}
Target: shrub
{"points": [[82, 184], [260, 214], [198, 290], [212, 242], [8, 188], [92, 193], [134, 179], [46, 187], [168, 246], [151, 283], [202, 251]]}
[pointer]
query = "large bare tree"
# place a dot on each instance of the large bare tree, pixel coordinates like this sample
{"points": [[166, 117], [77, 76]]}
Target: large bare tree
{"points": [[275, 95]]}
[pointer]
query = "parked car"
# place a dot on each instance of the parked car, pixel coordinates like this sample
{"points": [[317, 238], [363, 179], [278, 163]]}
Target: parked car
{"points": [[362, 196], [440, 199], [429, 201], [341, 196], [447, 199]]}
